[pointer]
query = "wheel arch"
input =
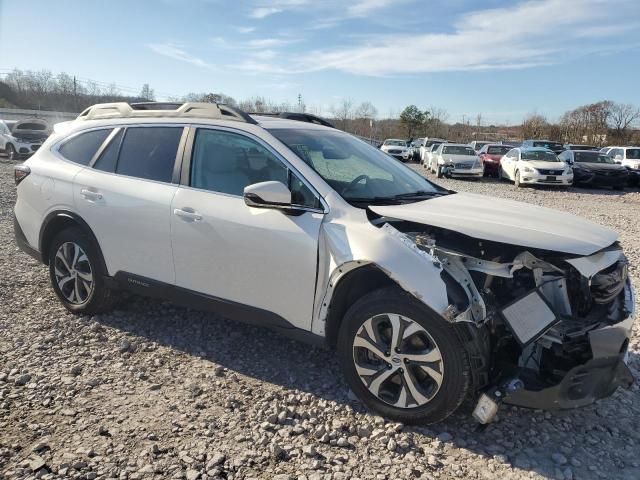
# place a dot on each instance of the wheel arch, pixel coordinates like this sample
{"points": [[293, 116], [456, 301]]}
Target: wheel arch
{"points": [[347, 289], [57, 221]]}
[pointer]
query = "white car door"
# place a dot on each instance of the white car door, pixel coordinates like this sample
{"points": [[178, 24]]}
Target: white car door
{"points": [[253, 262], [4, 133], [508, 163], [126, 198]]}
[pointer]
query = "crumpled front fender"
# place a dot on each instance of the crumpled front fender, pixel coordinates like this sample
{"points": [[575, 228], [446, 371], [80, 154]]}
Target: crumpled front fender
{"points": [[343, 249]]}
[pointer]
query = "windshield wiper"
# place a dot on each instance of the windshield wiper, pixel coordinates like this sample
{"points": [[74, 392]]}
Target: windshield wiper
{"points": [[419, 193]]}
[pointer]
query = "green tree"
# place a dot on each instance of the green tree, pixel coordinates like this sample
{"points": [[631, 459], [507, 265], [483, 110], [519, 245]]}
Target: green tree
{"points": [[412, 118]]}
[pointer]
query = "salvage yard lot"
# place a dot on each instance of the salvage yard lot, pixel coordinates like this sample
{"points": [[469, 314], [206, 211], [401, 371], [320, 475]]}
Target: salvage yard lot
{"points": [[154, 390]]}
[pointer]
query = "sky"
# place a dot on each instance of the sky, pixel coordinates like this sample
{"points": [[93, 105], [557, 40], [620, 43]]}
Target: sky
{"points": [[503, 59]]}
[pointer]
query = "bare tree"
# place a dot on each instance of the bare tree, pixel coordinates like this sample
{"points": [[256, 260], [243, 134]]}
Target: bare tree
{"points": [[147, 93], [343, 112], [622, 117], [534, 125]]}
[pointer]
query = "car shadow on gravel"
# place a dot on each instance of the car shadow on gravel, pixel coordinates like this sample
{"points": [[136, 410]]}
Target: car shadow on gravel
{"points": [[523, 439]]}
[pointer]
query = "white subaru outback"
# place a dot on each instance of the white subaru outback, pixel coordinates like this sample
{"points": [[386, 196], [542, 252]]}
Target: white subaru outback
{"points": [[429, 296]]}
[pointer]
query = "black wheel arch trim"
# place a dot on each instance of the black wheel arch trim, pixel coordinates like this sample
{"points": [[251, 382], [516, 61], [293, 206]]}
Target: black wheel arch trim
{"points": [[44, 237]]}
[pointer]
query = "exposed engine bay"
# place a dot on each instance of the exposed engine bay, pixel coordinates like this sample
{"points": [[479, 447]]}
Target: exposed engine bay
{"points": [[547, 329]]}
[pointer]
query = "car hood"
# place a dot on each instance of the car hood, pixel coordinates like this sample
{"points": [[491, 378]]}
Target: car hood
{"points": [[599, 166], [505, 221], [540, 164], [447, 157]]}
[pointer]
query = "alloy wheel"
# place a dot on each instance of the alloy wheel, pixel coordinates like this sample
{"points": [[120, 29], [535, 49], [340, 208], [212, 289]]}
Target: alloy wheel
{"points": [[398, 360], [73, 273]]}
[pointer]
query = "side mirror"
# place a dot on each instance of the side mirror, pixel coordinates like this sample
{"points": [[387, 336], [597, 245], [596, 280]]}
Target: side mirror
{"points": [[268, 195]]}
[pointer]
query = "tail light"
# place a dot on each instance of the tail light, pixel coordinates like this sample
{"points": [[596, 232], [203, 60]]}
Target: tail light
{"points": [[20, 172]]}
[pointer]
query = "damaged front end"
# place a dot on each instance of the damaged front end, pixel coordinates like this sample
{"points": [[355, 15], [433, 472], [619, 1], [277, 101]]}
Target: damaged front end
{"points": [[550, 330]]}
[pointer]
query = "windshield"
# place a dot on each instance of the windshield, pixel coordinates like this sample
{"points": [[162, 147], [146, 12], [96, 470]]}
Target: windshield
{"points": [[633, 153], [353, 168], [479, 145], [457, 150], [435, 146], [549, 145], [417, 142], [396, 143], [592, 157], [540, 155], [498, 150]]}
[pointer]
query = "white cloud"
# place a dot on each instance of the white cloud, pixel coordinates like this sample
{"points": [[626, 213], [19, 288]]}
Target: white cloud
{"points": [[176, 52], [245, 29], [524, 35], [275, 6], [364, 7], [262, 12]]}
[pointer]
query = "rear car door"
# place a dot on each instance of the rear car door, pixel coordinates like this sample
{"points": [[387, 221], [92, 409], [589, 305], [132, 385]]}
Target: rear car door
{"points": [[254, 264], [125, 197]]}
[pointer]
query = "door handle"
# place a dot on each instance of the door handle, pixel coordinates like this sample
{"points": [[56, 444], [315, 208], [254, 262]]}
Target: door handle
{"points": [[187, 214], [90, 194]]}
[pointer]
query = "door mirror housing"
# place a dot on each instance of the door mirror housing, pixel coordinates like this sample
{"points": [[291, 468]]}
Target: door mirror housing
{"points": [[270, 194]]}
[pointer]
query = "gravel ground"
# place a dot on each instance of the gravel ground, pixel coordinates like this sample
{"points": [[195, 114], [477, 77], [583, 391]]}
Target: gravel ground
{"points": [[154, 390]]}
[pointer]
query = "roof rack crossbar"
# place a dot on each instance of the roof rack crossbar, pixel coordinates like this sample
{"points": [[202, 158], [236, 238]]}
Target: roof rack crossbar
{"points": [[164, 109], [301, 117]]}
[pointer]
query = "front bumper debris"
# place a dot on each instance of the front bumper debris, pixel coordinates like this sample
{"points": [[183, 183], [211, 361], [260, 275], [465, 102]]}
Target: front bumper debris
{"points": [[582, 385]]}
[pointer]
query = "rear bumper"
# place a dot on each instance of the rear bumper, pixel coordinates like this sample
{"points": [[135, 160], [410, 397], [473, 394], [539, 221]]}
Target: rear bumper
{"points": [[22, 242]]}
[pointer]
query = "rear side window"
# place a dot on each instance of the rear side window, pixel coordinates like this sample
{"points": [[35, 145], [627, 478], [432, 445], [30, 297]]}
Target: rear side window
{"points": [[149, 152], [109, 157], [81, 148]]}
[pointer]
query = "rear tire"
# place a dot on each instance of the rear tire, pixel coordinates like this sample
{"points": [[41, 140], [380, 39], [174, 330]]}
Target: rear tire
{"points": [[77, 272], [425, 388]]}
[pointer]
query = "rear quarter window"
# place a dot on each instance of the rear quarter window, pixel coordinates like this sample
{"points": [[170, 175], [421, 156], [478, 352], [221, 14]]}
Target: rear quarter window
{"points": [[81, 148]]}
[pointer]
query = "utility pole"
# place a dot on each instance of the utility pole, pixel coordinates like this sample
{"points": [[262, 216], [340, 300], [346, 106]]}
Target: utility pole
{"points": [[75, 94], [300, 102]]}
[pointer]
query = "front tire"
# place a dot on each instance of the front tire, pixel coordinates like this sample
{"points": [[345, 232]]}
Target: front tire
{"points": [[77, 272], [439, 173], [401, 359], [11, 152], [516, 182]]}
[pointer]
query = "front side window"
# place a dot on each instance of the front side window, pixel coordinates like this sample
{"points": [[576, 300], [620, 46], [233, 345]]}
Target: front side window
{"points": [[226, 162], [354, 169], [81, 148], [149, 152]]}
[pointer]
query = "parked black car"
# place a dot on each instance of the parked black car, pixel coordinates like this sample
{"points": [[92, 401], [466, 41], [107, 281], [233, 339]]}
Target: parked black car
{"points": [[595, 168]]}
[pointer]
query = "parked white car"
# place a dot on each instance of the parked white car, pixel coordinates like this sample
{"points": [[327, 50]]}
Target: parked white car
{"points": [[456, 160], [626, 156], [21, 139], [429, 157], [306, 229], [426, 145], [534, 166], [397, 148]]}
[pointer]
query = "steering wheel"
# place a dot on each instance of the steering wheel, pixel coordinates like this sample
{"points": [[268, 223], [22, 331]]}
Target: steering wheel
{"points": [[355, 181]]}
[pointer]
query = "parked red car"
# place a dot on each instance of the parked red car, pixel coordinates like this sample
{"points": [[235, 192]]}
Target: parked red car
{"points": [[490, 156]]}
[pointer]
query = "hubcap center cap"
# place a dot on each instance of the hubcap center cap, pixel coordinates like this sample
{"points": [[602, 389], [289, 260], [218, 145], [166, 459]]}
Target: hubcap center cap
{"points": [[396, 360]]}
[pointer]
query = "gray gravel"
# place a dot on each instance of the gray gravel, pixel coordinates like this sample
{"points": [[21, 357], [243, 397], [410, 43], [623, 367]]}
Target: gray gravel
{"points": [[157, 391]]}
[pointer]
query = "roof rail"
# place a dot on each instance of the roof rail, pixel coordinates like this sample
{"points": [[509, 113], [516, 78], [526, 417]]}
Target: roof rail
{"points": [[164, 109], [300, 117]]}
